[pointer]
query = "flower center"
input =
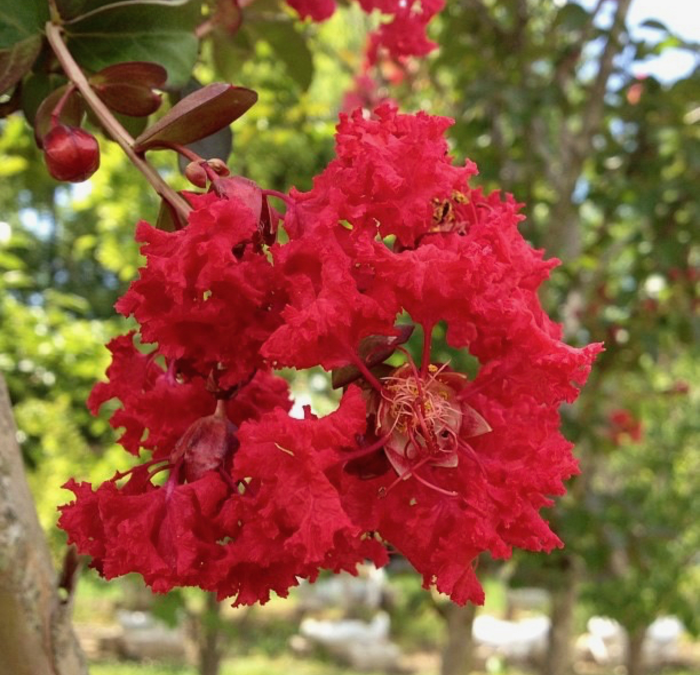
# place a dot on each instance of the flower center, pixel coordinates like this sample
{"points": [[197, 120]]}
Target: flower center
{"points": [[422, 418]]}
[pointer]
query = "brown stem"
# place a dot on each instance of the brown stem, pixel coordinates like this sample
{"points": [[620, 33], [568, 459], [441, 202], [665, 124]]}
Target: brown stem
{"points": [[110, 123], [183, 150]]}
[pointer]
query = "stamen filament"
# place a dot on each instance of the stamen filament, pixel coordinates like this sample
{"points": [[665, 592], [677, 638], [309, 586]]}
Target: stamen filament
{"points": [[363, 452], [366, 372], [448, 493], [406, 474]]}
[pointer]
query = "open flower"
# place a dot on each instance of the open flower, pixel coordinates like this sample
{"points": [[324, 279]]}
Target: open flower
{"points": [[424, 419]]}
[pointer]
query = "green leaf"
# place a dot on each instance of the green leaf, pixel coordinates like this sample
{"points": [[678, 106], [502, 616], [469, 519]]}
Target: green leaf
{"points": [[290, 47], [168, 219], [75, 10], [572, 17], [35, 89], [134, 125], [198, 115], [654, 24], [17, 61], [20, 20], [69, 9], [141, 32], [229, 54]]}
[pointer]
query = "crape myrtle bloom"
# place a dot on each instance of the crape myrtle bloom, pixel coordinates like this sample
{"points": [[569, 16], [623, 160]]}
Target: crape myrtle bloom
{"points": [[242, 512], [168, 533], [624, 427], [390, 175], [418, 457], [405, 34], [206, 295], [293, 520], [159, 404], [449, 466], [401, 36]]}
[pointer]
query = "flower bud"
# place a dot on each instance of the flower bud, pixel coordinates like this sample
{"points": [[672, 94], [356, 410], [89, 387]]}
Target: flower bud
{"points": [[71, 154], [218, 166], [207, 445], [195, 173]]}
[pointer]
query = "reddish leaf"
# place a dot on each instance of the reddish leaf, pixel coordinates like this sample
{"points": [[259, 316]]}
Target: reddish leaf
{"points": [[198, 115], [228, 16], [128, 99], [17, 60], [71, 115], [141, 73], [372, 350]]}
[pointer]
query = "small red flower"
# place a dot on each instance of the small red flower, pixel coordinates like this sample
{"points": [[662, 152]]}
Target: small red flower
{"points": [[206, 294], [625, 426], [424, 420], [404, 34]]}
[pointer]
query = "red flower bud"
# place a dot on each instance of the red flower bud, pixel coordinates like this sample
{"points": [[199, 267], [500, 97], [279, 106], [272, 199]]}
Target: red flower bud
{"points": [[207, 445], [195, 173], [71, 154], [219, 166]]}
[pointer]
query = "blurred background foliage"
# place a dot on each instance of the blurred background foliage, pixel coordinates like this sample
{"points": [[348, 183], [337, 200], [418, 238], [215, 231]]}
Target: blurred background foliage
{"points": [[546, 101]]}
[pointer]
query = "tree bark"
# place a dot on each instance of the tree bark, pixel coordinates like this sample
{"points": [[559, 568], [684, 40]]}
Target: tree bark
{"points": [[559, 656], [36, 635], [458, 649], [635, 655], [209, 633]]}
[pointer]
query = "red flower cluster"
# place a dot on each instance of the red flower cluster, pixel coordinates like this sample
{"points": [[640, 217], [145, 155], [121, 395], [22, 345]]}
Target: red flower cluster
{"points": [[403, 35], [418, 458], [624, 427]]}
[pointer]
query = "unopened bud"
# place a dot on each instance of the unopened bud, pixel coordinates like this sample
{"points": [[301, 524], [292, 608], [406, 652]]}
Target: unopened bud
{"points": [[71, 154], [206, 446], [195, 173], [218, 166]]}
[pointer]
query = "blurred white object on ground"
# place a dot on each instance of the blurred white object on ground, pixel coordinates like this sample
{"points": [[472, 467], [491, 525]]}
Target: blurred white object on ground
{"points": [[365, 646], [345, 591], [518, 640], [606, 640], [145, 637]]}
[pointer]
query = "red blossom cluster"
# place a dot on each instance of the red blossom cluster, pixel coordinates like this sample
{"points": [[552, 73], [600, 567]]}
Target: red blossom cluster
{"points": [[403, 35], [240, 498], [624, 426]]}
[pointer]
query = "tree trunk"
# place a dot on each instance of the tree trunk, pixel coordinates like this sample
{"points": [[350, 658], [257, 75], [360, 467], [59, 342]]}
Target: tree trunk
{"points": [[559, 645], [209, 632], [457, 651], [36, 636], [635, 656]]}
